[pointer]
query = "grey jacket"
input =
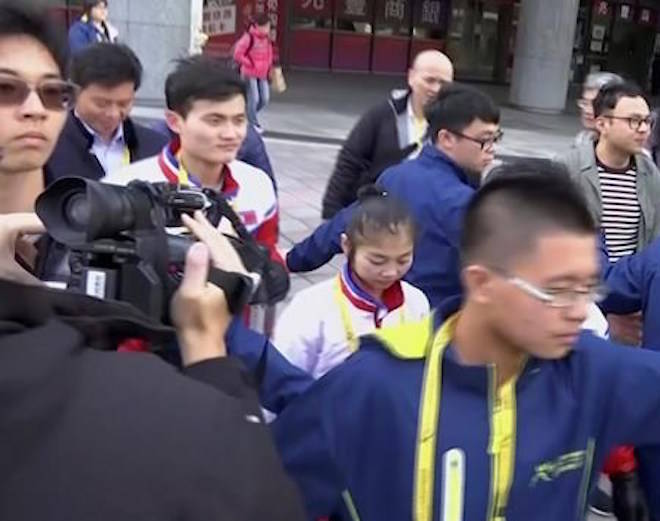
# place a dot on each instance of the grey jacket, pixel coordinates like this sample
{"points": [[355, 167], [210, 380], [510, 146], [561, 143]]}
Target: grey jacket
{"points": [[581, 164]]}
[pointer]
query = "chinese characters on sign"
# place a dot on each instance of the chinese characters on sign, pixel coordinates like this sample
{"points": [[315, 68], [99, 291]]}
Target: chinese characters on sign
{"points": [[431, 12], [313, 8], [602, 8], [357, 8], [395, 10], [219, 17], [625, 12]]}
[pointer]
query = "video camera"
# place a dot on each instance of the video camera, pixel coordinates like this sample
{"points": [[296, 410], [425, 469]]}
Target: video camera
{"points": [[119, 248]]}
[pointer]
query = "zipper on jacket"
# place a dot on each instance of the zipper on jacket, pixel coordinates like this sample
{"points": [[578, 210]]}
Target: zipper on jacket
{"points": [[502, 443]]}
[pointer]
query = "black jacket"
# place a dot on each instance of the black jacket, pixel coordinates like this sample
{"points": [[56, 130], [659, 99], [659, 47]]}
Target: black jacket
{"points": [[91, 434], [374, 144], [72, 154]]}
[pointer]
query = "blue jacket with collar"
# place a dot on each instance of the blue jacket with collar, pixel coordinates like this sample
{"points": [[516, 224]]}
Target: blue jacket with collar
{"points": [[353, 435], [437, 192]]}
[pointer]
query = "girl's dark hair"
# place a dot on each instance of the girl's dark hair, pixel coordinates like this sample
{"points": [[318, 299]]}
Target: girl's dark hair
{"points": [[88, 5], [378, 212], [261, 19]]}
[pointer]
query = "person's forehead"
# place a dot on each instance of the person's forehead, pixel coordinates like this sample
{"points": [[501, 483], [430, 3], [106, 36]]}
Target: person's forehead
{"points": [[123, 90], [231, 107], [578, 252], [636, 105], [479, 126], [590, 94], [27, 58], [435, 68]]}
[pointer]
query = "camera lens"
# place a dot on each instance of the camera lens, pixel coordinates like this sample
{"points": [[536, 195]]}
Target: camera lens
{"points": [[77, 211]]}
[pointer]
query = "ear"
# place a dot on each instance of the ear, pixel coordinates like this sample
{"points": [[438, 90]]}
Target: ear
{"points": [[478, 283], [445, 139], [174, 121], [411, 74], [345, 244], [601, 124]]}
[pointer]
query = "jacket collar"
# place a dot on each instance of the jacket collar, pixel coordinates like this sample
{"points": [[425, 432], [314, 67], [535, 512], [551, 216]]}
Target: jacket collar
{"points": [[399, 100], [392, 296], [587, 159], [431, 154], [170, 165], [75, 125]]}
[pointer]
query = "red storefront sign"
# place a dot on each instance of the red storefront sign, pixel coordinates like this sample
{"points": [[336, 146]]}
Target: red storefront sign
{"points": [[313, 8]]}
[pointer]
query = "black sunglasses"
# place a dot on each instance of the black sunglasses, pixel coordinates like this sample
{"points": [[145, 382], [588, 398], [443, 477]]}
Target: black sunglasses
{"points": [[54, 94]]}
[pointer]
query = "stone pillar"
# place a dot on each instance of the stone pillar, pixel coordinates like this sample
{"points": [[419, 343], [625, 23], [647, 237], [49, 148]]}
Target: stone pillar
{"points": [[544, 46], [159, 33]]}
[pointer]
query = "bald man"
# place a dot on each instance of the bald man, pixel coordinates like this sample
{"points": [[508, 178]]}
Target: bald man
{"points": [[389, 132]]}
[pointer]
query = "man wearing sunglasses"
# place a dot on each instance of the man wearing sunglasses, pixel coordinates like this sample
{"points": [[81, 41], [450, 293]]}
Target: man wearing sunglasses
{"points": [[436, 186]]}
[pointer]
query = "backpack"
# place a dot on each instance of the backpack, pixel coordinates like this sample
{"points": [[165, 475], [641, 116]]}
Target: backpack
{"points": [[235, 64]]}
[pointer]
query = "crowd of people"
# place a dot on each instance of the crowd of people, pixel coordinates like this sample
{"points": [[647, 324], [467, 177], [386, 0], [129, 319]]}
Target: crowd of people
{"points": [[488, 350]]}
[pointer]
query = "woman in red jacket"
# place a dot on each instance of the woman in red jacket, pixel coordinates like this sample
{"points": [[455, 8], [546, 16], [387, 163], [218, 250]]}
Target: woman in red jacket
{"points": [[254, 55]]}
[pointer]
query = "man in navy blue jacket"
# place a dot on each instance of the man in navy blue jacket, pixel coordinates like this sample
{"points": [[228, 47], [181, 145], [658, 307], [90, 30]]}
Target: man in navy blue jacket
{"points": [[437, 186], [100, 136]]}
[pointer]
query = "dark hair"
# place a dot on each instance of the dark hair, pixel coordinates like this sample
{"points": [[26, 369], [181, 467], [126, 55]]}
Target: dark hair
{"points": [[521, 201], [457, 106], [378, 212], [201, 78], [609, 95], [16, 19], [261, 19], [107, 64], [88, 5]]}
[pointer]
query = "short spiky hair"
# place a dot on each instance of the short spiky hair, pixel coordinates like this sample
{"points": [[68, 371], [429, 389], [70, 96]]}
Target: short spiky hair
{"points": [[17, 19], [518, 203], [201, 78]]}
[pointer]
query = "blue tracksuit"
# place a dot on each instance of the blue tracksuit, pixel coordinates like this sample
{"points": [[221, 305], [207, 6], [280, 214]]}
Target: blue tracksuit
{"points": [[634, 284], [279, 380], [531, 453], [437, 192]]}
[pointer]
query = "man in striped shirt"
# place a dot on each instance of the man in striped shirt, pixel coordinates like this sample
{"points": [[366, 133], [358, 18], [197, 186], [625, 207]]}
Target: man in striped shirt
{"points": [[622, 187]]}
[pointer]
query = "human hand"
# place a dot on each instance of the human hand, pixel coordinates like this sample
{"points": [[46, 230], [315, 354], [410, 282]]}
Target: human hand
{"points": [[223, 254], [626, 329], [199, 311], [14, 228]]}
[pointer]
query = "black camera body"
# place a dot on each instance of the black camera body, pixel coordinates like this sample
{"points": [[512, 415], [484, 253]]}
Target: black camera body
{"points": [[119, 248]]}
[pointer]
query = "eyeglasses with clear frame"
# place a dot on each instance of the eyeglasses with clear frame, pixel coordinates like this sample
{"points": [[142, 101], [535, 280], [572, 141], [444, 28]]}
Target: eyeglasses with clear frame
{"points": [[556, 298]]}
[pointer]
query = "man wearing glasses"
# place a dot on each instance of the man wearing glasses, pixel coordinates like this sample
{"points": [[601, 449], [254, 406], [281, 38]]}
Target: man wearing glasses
{"points": [[436, 186], [499, 407], [622, 187]]}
